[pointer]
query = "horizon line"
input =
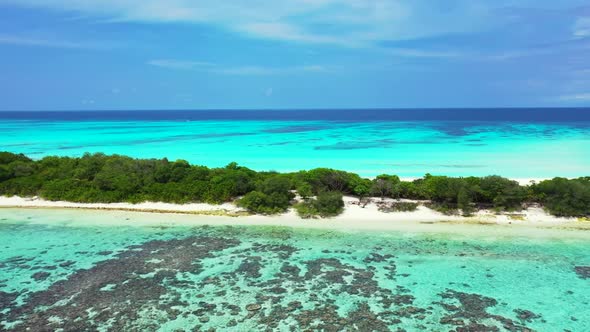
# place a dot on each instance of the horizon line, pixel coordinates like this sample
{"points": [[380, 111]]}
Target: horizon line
{"points": [[309, 109]]}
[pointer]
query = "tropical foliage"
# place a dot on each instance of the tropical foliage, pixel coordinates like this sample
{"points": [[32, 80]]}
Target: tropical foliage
{"points": [[114, 178]]}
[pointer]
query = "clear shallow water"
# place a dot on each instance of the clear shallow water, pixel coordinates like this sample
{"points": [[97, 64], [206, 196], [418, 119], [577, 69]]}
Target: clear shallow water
{"points": [[81, 277], [511, 143]]}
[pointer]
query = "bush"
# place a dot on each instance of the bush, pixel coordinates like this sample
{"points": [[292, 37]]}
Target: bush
{"points": [[276, 184], [399, 207], [386, 186], [465, 202], [443, 208], [563, 197], [261, 203], [7, 158], [503, 194], [306, 210], [304, 190], [327, 204], [103, 178]]}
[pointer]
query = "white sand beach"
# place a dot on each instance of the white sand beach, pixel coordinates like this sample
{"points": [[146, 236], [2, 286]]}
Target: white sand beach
{"points": [[194, 208], [355, 217]]}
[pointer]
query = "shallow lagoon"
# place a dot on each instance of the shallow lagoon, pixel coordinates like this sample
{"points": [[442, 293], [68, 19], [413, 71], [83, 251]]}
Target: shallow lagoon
{"points": [[90, 276], [409, 149]]}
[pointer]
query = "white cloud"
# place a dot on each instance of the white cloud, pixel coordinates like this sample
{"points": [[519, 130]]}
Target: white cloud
{"points": [[582, 27], [179, 64], [575, 97], [233, 70], [41, 42], [246, 70], [417, 53], [260, 70], [291, 32], [353, 23]]}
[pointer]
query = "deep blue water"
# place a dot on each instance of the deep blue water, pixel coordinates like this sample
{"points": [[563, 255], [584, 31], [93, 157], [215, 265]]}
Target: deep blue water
{"points": [[360, 115]]}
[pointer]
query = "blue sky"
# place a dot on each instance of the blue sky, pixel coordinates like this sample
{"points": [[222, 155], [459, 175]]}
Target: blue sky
{"points": [[209, 54]]}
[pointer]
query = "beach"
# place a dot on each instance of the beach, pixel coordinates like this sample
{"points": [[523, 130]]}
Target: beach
{"points": [[354, 218]]}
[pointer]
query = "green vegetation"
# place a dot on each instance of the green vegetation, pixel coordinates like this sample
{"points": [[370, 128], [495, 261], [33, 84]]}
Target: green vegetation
{"points": [[563, 197], [274, 196], [399, 207], [98, 178], [327, 204]]}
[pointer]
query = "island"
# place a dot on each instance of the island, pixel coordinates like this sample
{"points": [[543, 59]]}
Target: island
{"points": [[115, 182]]}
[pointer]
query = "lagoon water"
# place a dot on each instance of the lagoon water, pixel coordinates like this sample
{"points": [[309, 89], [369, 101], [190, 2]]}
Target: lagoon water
{"points": [[66, 269], [516, 143]]}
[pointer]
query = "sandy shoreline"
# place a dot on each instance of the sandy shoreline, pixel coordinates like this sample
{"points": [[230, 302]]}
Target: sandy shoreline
{"points": [[355, 218]]}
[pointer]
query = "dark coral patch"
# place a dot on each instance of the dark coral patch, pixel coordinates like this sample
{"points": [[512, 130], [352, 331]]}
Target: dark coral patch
{"points": [[583, 271], [40, 276], [470, 311], [121, 305]]}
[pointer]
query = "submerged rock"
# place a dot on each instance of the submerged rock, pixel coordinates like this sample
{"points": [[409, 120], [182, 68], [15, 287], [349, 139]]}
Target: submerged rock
{"points": [[40, 276], [526, 315], [473, 311], [253, 307], [583, 271]]}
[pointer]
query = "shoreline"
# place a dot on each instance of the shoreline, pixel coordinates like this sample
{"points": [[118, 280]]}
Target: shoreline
{"points": [[533, 222]]}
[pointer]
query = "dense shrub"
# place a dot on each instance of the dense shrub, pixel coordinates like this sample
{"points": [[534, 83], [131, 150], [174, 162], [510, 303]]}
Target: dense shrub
{"points": [[261, 203], [304, 190], [563, 197], [386, 186], [103, 178], [7, 158], [327, 204], [306, 210]]}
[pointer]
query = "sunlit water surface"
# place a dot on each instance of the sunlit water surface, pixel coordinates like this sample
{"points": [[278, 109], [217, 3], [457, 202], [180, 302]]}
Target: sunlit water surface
{"points": [[363, 143]]}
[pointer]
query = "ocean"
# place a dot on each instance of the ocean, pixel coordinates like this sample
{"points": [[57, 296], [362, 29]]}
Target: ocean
{"points": [[515, 143], [123, 271], [114, 271]]}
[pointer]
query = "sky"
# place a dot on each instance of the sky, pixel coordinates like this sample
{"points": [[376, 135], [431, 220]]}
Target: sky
{"points": [[289, 54]]}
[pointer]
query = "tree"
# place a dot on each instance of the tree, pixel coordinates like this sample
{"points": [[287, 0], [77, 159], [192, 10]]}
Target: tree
{"points": [[502, 193], [565, 198], [304, 190], [329, 204], [114, 178], [382, 188], [361, 188], [258, 202], [254, 201], [325, 179], [8, 157], [276, 184], [464, 201]]}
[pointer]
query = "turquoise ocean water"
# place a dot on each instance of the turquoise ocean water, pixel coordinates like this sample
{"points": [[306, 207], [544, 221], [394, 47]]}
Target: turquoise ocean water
{"points": [[66, 269], [60, 270], [457, 143]]}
